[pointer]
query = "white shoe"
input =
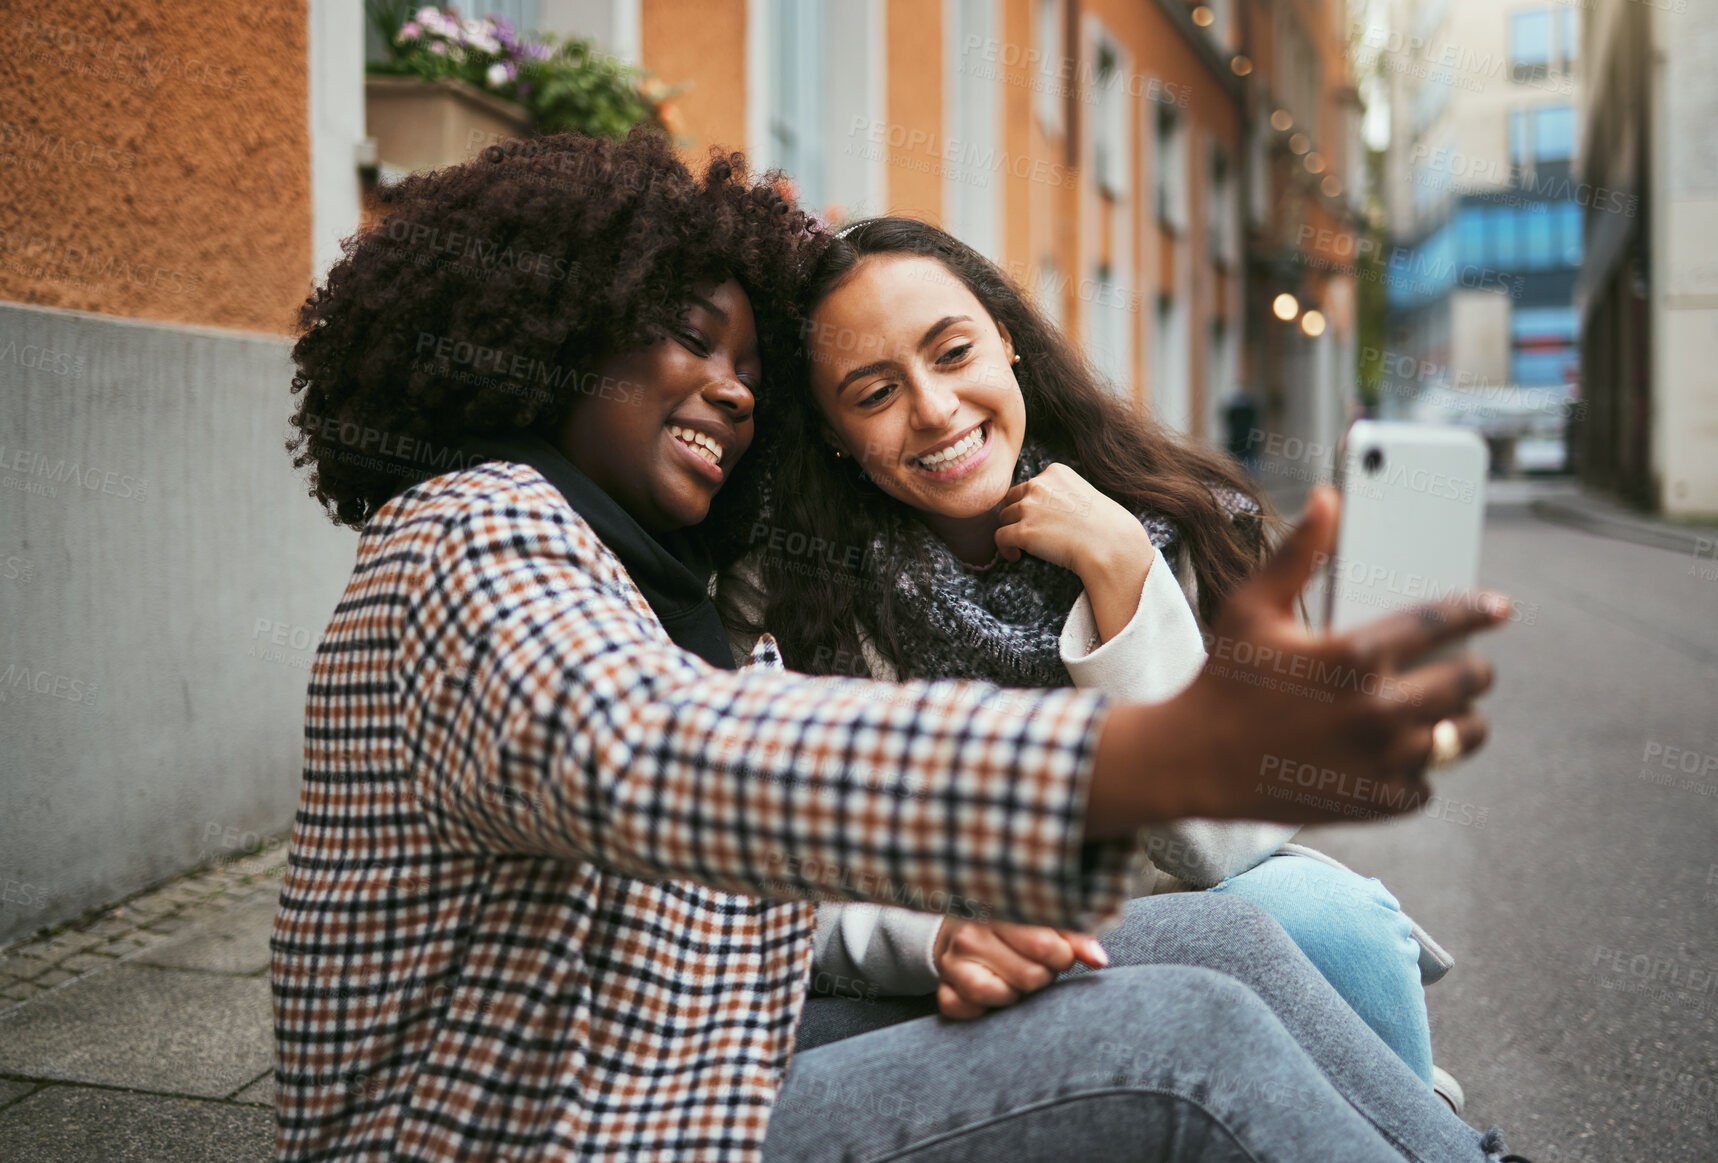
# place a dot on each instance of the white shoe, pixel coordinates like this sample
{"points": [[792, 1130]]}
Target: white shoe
{"points": [[1447, 1088]]}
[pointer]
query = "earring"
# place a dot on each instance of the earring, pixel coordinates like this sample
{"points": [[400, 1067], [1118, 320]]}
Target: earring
{"points": [[1016, 358], [838, 453]]}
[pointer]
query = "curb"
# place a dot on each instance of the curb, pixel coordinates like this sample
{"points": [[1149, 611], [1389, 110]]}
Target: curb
{"points": [[1603, 521]]}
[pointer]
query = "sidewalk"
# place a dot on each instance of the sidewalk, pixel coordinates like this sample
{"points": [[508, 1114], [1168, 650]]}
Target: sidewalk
{"points": [[146, 1034]]}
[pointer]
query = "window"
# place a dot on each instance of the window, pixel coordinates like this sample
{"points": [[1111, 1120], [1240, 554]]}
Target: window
{"points": [[1048, 293], [972, 147], [1539, 254], [794, 106], [1169, 168], [1051, 82], [1505, 254], [814, 67], [1554, 133], [1519, 151], [1109, 120], [1169, 387], [1107, 313], [1220, 227], [1543, 41], [1542, 346], [1530, 45], [1572, 233]]}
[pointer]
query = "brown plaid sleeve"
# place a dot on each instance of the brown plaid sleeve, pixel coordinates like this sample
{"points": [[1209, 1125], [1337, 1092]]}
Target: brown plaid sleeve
{"points": [[546, 712]]}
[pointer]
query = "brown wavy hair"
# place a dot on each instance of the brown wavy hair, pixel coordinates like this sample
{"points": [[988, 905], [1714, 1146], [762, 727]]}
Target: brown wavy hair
{"points": [[483, 301], [817, 609]]}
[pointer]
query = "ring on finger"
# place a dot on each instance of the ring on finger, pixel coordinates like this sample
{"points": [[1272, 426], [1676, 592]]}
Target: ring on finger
{"points": [[1446, 744]]}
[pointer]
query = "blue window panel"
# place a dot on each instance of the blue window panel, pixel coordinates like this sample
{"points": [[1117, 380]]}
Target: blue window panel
{"points": [[1530, 38], [1571, 36], [1554, 133], [1543, 322], [1518, 154], [1541, 368], [1540, 253], [1574, 224], [1471, 226], [1505, 238]]}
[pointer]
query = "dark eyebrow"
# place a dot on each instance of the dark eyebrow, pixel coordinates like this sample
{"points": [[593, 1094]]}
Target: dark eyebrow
{"points": [[710, 307], [935, 330]]}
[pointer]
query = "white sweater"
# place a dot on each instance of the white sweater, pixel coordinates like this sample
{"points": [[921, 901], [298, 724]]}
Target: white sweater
{"points": [[881, 949]]}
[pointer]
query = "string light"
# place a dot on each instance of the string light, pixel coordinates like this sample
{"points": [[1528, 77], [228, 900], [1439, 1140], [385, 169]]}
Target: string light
{"points": [[1285, 306]]}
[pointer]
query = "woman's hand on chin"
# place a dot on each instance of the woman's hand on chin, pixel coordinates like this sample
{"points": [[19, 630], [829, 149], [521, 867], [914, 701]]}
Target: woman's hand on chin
{"points": [[1062, 518]]}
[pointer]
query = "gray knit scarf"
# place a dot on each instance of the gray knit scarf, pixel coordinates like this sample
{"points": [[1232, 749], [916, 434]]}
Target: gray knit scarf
{"points": [[1000, 622]]}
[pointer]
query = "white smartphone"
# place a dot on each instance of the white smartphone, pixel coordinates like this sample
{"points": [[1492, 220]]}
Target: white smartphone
{"points": [[1413, 512]]}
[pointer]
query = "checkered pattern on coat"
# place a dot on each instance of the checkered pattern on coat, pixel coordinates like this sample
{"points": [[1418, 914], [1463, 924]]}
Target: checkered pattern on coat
{"points": [[527, 914]]}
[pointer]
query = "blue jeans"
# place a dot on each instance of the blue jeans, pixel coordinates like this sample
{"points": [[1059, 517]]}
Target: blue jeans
{"points": [[1353, 931], [1220, 1044]]}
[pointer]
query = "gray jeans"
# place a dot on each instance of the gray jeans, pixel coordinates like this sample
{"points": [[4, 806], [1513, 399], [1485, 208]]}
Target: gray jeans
{"points": [[1209, 1039]]}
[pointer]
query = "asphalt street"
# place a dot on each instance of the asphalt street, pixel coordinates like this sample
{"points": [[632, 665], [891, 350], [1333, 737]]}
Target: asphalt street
{"points": [[1572, 865]]}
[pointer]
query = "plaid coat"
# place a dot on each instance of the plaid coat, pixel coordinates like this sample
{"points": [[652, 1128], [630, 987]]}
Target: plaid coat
{"points": [[552, 879]]}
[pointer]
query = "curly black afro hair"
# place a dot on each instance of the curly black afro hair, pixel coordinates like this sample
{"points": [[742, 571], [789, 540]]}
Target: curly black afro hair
{"points": [[487, 294]]}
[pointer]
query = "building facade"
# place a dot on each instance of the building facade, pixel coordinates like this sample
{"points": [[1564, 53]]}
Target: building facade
{"points": [[1647, 297], [1157, 173], [1486, 219], [175, 176]]}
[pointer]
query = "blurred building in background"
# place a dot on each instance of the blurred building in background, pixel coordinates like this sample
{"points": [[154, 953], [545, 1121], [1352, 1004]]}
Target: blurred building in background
{"points": [[1486, 219], [1648, 292], [1157, 173]]}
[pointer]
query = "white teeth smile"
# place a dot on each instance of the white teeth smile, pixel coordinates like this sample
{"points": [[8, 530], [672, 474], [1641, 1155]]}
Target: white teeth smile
{"points": [[955, 453], [697, 442]]}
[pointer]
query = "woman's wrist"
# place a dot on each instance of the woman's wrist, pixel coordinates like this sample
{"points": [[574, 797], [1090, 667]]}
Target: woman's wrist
{"points": [[1151, 766], [1114, 574]]}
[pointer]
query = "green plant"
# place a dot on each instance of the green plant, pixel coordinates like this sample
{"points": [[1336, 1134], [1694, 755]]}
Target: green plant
{"points": [[565, 86]]}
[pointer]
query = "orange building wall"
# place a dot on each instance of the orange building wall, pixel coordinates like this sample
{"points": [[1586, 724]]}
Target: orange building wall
{"points": [[915, 105], [156, 161], [701, 48]]}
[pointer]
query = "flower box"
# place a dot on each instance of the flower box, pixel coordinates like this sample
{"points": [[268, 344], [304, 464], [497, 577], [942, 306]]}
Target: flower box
{"points": [[423, 125]]}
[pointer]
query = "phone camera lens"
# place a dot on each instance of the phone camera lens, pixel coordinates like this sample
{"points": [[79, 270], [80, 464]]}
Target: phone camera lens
{"points": [[1372, 461]]}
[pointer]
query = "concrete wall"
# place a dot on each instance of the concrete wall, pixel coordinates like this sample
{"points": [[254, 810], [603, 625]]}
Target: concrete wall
{"points": [[163, 582]]}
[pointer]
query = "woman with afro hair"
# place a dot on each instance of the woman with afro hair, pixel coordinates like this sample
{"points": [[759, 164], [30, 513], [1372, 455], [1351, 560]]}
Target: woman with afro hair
{"points": [[552, 881]]}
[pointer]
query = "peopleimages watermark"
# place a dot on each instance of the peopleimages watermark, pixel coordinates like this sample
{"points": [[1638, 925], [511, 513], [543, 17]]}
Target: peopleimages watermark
{"points": [[1277, 670], [43, 359], [1471, 391], [1533, 185], [963, 160], [1064, 76], [37, 256], [38, 152], [1308, 783], [1663, 765], [149, 67], [41, 474], [1662, 978], [464, 253], [1704, 563], [19, 679], [869, 885]]}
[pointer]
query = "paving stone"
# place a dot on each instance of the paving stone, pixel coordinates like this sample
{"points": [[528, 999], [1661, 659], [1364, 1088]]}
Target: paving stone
{"points": [[233, 941], [51, 977], [59, 1124], [152, 1029], [262, 1090], [12, 1091], [85, 962]]}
